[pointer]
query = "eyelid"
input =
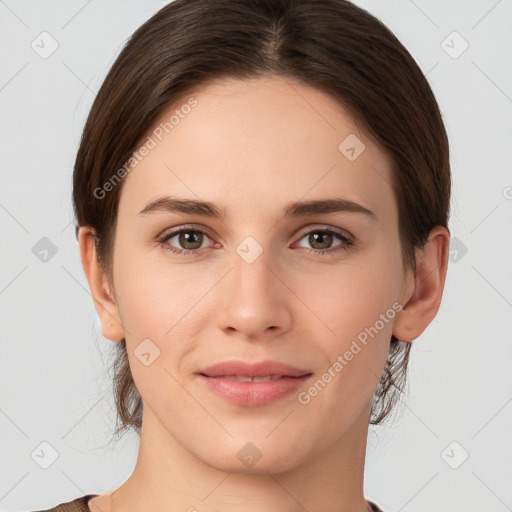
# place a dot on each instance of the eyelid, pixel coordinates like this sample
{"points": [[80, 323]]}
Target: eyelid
{"points": [[183, 227], [329, 229]]}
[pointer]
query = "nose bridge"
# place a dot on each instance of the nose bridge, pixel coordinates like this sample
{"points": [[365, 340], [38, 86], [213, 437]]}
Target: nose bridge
{"points": [[252, 277], [252, 296]]}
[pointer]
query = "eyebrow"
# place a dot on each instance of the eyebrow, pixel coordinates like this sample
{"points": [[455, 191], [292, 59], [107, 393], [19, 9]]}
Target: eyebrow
{"points": [[293, 209]]}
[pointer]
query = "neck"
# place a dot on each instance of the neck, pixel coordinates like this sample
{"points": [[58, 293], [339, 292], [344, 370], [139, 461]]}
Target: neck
{"points": [[174, 479]]}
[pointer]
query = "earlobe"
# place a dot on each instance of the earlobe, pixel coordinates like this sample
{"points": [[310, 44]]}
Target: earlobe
{"points": [[421, 307], [106, 307]]}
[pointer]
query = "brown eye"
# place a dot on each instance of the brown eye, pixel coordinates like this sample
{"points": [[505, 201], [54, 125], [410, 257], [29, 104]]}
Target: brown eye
{"points": [[187, 241], [190, 239], [321, 240]]}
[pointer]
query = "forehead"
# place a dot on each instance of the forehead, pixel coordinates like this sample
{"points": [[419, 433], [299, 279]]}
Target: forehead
{"points": [[254, 143]]}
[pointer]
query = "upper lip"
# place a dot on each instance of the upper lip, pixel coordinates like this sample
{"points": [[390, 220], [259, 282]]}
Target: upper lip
{"points": [[262, 369]]}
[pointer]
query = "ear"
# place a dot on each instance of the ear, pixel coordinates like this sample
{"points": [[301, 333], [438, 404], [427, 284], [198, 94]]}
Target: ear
{"points": [[423, 304], [106, 307]]}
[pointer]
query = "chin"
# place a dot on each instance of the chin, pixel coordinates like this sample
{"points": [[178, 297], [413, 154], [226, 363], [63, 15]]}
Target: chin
{"points": [[258, 457]]}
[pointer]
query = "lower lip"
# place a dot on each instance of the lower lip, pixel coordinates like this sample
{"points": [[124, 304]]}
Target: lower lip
{"points": [[253, 393]]}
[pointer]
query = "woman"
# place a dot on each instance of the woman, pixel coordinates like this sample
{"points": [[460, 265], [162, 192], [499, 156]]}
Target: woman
{"points": [[262, 196]]}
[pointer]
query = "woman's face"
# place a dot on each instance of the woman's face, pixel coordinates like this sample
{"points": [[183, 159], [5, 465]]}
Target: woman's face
{"points": [[258, 287]]}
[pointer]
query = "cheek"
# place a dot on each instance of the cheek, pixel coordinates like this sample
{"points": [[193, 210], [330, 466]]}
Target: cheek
{"points": [[355, 307], [154, 297], [156, 310], [354, 298], [161, 304]]}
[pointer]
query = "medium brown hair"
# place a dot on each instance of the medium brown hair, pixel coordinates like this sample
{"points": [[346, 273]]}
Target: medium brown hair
{"points": [[331, 45]]}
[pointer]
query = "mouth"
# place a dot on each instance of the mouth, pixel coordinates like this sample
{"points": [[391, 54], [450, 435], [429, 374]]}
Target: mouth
{"points": [[247, 384], [269, 370], [245, 378]]}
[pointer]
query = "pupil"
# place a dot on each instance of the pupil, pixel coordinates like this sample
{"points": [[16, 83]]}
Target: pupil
{"points": [[321, 236], [185, 238]]}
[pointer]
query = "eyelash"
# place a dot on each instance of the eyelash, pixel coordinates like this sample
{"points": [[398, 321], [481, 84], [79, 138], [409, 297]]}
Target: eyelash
{"points": [[348, 242]]}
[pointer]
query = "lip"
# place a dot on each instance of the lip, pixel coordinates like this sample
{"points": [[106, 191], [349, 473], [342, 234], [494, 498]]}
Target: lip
{"points": [[244, 369], [253, 393]]}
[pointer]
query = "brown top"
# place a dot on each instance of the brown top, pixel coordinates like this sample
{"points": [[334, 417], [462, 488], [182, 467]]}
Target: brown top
{"points": [[80, 505], [77, 505]]}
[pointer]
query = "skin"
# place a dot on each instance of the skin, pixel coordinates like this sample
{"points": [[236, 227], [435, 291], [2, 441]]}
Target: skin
{"points": [[252, 147]]}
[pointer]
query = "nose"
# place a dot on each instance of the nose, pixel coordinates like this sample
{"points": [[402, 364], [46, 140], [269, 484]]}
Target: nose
{"points": [[254, 299]]}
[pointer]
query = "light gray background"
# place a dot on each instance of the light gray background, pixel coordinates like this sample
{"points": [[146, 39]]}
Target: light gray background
{"points": [[54, 382]]}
